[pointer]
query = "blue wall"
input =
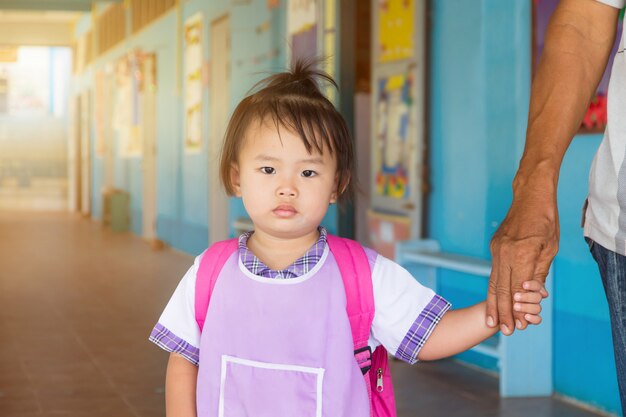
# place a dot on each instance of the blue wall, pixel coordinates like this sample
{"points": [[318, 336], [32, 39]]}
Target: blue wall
{"points": [[480, 87]]}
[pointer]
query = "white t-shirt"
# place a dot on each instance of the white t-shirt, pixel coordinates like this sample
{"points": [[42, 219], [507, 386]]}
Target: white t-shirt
{"points": [[605, 216], [406, 312]]}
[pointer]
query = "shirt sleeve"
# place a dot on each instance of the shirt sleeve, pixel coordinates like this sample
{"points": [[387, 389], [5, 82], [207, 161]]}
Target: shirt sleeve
{"points": [[615, 3], [406, 311], [177, 330]]}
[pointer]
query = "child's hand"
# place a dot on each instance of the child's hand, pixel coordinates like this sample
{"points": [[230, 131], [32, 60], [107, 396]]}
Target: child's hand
{"points": [[529, 302]]}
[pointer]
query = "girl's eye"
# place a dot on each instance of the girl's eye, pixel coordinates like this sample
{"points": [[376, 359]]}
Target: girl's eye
{"points": [[268, 170], [308, 173]]}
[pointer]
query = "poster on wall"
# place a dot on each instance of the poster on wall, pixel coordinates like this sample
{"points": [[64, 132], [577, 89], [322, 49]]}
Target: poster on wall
{"points": [[395, 30], [302, 28], [394, 125], [595, 118], [147, 74], [193, 83], [145, 77], [126, 117]]}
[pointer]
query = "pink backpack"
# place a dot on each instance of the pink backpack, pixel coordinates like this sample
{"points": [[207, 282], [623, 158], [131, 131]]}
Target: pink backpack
{"points": [[357, 280]]}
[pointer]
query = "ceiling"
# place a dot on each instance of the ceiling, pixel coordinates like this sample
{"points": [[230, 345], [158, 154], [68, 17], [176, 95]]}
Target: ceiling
{"points": [[41, 22], [41, 5], [38, 16], [44, 11]]}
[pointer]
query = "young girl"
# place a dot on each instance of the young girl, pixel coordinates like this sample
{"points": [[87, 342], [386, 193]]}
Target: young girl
{"points": [[277, 319]]}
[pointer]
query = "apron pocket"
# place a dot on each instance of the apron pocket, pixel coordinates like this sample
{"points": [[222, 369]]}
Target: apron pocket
{"points": [[262, 389]]}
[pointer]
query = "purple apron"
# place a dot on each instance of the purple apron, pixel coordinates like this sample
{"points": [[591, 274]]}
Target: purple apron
{"points": [[279, 347]]}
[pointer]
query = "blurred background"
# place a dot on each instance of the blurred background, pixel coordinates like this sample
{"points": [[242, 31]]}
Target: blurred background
{"points": [[111, 120]]}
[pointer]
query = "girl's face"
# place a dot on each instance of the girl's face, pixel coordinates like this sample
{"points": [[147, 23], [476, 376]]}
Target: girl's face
{"points": [[285, 190]]}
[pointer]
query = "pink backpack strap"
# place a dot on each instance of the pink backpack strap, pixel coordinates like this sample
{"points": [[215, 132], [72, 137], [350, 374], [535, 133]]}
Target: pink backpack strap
{"points": [[357, 280], [211, 264]]}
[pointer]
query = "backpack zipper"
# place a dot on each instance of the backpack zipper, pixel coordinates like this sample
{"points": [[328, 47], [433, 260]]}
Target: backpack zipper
{"points": [[379, 380]]}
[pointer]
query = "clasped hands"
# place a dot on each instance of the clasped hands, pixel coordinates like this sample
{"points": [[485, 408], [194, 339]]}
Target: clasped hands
{"points": [[522, 250]]}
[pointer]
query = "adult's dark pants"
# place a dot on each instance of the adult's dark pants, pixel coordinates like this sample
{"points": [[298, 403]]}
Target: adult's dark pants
{"points": [[613, 272]]}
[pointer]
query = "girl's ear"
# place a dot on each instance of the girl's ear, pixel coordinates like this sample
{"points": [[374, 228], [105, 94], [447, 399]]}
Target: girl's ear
{"points": [[235, 179], [339, 188]]}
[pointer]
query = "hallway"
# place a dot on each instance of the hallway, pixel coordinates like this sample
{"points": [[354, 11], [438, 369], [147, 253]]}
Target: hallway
{"points": [[77, 303]]}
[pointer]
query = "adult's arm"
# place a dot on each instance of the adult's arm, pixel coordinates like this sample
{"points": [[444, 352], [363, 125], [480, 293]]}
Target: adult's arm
{"points": [[578, 41]]}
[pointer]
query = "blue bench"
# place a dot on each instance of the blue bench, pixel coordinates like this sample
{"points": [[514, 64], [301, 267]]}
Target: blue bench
{"points": [[524, 358]]}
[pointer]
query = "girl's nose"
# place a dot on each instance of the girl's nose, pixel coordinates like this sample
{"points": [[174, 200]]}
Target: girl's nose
{"points": [[287, 190]]}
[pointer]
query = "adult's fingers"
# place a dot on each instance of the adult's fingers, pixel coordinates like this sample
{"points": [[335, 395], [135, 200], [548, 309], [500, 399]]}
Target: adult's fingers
{"points": [[499, 296], [543, 264], [492, 297], [504, 298]]}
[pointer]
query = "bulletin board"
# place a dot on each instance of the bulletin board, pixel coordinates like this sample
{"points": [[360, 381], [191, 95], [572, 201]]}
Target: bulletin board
{"points": [[595, 118], [398, 95], [126, 116]]}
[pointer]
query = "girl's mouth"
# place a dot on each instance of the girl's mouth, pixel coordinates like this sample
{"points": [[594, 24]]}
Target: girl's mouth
{"points": [[285, 210]]}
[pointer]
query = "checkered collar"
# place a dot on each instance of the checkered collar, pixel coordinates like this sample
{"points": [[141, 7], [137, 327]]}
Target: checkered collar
{"points": [[300, 267]]}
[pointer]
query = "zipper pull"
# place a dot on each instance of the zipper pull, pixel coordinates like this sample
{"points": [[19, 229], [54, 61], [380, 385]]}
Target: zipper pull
{"points": [[379, 380]]}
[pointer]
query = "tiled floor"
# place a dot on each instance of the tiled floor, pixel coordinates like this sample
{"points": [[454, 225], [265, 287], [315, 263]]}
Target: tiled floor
{"points": [[78, 302], [40, 194]]}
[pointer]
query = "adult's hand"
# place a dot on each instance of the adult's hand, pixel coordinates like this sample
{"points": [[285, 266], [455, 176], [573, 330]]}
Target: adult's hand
{"points": [[522, 249]]}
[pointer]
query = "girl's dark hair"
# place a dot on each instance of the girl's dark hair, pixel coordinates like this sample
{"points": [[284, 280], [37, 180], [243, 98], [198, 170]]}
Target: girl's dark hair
{"points": [[293, 100]]}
